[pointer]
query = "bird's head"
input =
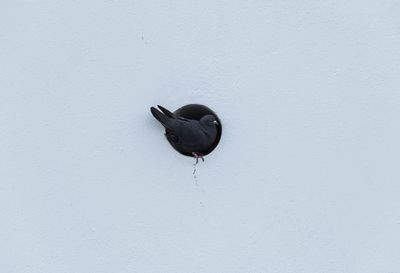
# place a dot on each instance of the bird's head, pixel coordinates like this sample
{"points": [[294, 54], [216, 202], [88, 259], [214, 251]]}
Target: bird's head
{"points": [[209, 120]]}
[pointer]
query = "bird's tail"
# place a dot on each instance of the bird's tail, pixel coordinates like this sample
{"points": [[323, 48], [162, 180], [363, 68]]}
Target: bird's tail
{"points": [[166, 111], [161, 117]]}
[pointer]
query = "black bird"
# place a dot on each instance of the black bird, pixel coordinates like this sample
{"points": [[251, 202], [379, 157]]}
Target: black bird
{"points": [[188, 135]]}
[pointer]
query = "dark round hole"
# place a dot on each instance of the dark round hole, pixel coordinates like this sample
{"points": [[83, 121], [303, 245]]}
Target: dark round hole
{"points": [[197, 111]]}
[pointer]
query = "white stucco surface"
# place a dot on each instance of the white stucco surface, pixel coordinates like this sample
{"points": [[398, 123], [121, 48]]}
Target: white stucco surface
{"points": [[306, 177]]}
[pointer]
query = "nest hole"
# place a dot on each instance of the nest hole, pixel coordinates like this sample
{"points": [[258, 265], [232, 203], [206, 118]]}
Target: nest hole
{"points": [[196, 112]]}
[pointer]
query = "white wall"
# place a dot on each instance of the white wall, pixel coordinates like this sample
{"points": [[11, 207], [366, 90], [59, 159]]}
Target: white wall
{"points": [[305, 179]]}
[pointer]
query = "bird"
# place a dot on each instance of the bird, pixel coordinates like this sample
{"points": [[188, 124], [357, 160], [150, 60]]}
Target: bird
{"points": [[189, 136]]}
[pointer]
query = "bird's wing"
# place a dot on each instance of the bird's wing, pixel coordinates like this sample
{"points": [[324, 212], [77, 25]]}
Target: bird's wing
{"points": [[184, 119], [171, 137]]}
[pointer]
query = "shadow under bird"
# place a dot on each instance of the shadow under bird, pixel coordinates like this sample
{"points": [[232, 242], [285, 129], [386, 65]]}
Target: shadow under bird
{"points": [[188, 135]]}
